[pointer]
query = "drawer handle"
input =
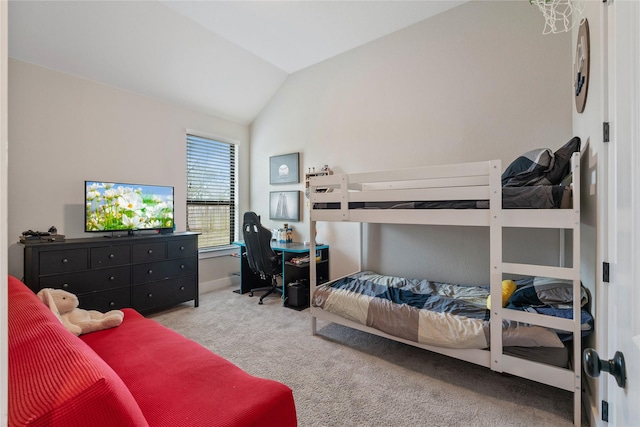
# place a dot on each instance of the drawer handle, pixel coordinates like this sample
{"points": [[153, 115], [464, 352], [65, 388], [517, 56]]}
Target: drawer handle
{"points": [[150, 295], [112, 304], [65, 285], [65, 261], [150, 272], [112, 256], [149, 251], [182, 248], [182, 266], [112, 278], [182, 288]]}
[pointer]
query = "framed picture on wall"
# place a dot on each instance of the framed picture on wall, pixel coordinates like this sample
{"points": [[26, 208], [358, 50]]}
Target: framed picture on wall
{"points": [[284, 205], [283, 169]]}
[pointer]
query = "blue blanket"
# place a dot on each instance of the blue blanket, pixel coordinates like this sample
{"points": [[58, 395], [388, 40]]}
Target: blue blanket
{"points": [[439, 314]]}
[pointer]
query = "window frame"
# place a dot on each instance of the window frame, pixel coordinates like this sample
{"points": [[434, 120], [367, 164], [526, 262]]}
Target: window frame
{"points": [[221, 250]]}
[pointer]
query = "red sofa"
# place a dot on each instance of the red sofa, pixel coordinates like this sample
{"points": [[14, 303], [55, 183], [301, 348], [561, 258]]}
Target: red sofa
{"points": [[137, 374]]}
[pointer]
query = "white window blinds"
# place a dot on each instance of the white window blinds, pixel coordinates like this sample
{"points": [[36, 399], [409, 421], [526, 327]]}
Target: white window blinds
{"points": [[211, 176]]}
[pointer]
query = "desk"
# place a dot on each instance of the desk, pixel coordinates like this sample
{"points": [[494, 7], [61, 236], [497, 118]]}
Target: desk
{"points": [[291, 272]]}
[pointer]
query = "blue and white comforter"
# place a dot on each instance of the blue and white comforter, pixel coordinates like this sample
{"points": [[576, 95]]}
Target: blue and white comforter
{"points": [[438, 314]]}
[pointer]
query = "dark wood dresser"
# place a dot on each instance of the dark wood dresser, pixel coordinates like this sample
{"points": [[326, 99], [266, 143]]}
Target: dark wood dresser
{"points": [[147, 273]]}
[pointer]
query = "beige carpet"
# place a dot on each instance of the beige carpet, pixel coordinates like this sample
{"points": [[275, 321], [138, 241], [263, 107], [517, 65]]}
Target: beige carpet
{"points": [[343, 377]]}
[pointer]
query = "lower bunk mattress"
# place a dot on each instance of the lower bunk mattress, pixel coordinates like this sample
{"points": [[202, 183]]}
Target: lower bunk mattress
{"points": [[449, 315]]}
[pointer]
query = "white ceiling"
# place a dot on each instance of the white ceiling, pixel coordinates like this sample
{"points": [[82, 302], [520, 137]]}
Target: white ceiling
{"points": [[225, 58]]}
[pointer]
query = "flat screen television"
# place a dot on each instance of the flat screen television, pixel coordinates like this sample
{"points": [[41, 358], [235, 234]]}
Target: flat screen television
{"points": [[114, 206]]}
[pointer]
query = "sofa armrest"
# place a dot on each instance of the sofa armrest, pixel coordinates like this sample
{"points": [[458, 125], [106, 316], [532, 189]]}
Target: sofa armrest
{"points": [[54, 377]]}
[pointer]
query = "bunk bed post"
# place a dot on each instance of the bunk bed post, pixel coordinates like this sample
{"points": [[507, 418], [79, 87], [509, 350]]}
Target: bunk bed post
{"points": [[495, 262], [577, 332], [344, 197], [312, 264], [563, 247], [363, 244]]}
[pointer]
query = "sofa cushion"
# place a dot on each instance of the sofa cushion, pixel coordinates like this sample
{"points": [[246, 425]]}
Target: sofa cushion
{"points": [[55, 379], [177, 382]]}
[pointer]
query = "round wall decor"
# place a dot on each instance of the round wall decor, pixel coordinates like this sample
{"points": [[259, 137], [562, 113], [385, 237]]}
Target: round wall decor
{"points": [[581, 66]]}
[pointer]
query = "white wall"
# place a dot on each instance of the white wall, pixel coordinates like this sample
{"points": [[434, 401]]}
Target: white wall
{"points": [[588, 126], [477, 82], [4, 321], [64, 129]]}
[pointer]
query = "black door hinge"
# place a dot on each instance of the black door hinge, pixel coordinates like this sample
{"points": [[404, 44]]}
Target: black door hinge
{"points": [[605, 131], [605, 272], [605, 411]]}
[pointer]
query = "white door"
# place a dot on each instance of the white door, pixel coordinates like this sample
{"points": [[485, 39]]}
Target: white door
{"points": [[624, 235]]}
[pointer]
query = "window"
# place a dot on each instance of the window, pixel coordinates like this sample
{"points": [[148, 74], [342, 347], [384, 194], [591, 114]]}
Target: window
{"points": [[211, 177]]}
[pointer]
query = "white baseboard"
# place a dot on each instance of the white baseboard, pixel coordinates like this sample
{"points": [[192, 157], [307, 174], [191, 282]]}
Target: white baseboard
{"points": [[224, 282]]}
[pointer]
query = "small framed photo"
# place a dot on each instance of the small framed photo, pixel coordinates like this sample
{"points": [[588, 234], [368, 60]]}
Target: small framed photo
{"points": [[284, 205], [283, 169]]}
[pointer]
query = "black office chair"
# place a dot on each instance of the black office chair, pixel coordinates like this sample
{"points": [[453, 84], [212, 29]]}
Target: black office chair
{"points": [[261, 258]]}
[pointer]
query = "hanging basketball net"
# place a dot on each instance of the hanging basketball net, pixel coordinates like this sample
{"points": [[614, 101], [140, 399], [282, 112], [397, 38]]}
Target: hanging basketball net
{"points": [[560, 15]]}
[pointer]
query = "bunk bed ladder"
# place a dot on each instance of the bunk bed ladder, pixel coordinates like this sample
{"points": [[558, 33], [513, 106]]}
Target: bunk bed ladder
{"points": [[569, 380]]}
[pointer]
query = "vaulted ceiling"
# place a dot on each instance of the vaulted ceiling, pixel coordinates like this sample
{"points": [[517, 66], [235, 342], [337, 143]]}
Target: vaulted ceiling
{"points": [[225, 58]]}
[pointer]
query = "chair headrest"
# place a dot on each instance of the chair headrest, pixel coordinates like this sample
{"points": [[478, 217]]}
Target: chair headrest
{"points": [[251, 218]]}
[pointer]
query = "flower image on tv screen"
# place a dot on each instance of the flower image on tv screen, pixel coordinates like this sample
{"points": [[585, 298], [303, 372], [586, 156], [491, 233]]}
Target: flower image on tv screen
{"points": [[111, 206]]}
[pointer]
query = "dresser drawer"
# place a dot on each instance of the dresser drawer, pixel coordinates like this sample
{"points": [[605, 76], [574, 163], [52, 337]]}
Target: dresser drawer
{"points": [[144, 273], [181, 267], [106, 300], [146, 252], [108, 256], [152, 296], [89, 281], [52, 262], [182, 248]]}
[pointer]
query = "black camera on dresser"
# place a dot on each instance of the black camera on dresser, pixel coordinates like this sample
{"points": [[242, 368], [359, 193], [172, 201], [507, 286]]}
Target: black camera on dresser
{"points": [[146, 272]]}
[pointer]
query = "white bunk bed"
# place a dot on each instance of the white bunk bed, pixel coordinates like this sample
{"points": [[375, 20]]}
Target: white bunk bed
{"points": [[469, 181]]}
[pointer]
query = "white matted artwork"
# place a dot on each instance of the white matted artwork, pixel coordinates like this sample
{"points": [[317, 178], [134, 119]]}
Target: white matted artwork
{"points": [[284, 205], [283, 169]]}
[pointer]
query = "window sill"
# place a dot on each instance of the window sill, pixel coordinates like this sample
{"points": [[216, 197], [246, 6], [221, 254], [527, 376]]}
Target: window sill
{"points": [[217, 252]]}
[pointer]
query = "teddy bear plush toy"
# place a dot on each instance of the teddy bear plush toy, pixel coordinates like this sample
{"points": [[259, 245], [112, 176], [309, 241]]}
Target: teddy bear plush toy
{"points": [[78, 321]]}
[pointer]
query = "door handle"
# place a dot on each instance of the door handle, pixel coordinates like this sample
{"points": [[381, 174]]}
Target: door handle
{"points": [[616, 367]]}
